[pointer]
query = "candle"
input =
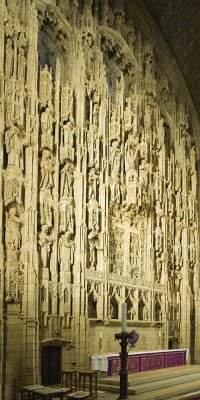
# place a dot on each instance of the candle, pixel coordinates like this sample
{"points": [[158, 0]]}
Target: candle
{"points": [[124, 317], [100, 335]]}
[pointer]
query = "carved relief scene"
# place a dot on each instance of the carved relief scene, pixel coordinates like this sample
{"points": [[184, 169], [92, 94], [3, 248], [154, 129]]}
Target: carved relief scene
{"points": [[99, 199]]}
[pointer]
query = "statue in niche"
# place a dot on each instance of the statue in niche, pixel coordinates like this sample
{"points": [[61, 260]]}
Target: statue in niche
{"points": [[148, 116], [68, 131], [47, 119], [158, 240], [158, 269], [66, 251], [178, 178], [158, 311], [131, 312], [15, 141], [45, 242], [178, 247], [132, 187], [145, 313], [130, 119], [21, 64], [113, 126], [93, 239], [115, 159], [13, 230], [158, 185], [143, 173], [143, 181], [47, 170], [156, 149], [19, 103], [9, 58], [88, 44], [95, 116], [93, 181], [115, 190], [43, 295], [178, 277], [192, 245], [66, 181], [46, 211], [113, 308], [92, 306], [132, 148]]}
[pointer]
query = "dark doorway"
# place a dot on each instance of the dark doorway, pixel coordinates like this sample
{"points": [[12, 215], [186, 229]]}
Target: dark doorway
{"points": [[51, 365]]}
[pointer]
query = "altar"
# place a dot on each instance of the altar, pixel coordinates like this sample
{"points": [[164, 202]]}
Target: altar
{"points": [[140, 361]]}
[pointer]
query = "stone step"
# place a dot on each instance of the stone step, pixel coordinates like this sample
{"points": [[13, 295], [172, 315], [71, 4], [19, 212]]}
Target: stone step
{"points": [[150, 376], [169, 393], [169, 383], [190, 396], [161, 383]]}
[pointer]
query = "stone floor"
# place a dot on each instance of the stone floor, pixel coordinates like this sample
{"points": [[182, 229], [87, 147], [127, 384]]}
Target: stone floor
{"points": [[176, 383], [115, 396]]}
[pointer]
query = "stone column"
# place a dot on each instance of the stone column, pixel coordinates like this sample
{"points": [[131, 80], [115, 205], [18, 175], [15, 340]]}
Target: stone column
{"points": [[30, 347], [1, 195]]}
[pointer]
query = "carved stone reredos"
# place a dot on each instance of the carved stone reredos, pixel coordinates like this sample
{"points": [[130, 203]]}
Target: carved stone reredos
{"points": [[99, 194]]}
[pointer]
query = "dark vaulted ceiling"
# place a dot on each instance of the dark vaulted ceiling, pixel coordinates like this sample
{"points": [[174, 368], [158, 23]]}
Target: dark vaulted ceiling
{"points": [[179, 23]]}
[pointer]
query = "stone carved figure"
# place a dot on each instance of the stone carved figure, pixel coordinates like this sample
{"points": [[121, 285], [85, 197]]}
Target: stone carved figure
{"points": [[145, 313], [129, 117], [9, 58], [47, 121], [178, 275], [178, 247], [92, 306], [14, 146], [115, 190], [93, 180], [115, 161], [13, 230], [66, 181], [68, 131], [45, 242], [66, 251], [158, 240], [132, 148], [158, 268], [93, 239], [21, 65], [131, 313], [47, 170]]}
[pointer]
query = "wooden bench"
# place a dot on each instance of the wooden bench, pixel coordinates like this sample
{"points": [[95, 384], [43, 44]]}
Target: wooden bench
{"points": [[48, 393], [79, 395], [28, 390]]}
